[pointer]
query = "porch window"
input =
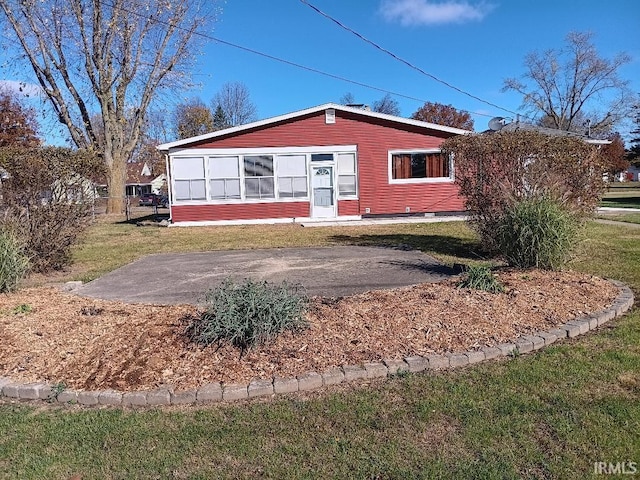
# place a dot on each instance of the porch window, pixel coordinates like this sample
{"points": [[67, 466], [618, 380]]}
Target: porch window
{"points": [[189, 178], [258, 176], [224, 174], [420, 165], [347, 174], [292, 176]]}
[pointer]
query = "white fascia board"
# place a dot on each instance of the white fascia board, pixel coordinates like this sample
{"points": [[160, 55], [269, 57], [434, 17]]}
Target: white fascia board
{"points": [[262, 150], [267, 121], [402, 120]]}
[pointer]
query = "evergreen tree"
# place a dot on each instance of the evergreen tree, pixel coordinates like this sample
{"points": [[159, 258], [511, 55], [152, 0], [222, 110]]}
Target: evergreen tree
{"points": [[633, 154], [220, 121]]}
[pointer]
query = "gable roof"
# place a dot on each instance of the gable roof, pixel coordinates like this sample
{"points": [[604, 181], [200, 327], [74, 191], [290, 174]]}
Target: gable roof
{"points": [[308, 111], [139, 173]]}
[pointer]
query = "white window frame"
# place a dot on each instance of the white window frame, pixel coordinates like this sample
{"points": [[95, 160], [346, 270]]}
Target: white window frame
{"points": [[279, 176], [259, 178], [355, 175], [207, 153], [400, 181], [225, 179], [191, 180]]}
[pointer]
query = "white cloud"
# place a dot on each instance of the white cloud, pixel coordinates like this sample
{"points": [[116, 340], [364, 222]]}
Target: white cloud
{"points": [[427, 12], [21, 88]]}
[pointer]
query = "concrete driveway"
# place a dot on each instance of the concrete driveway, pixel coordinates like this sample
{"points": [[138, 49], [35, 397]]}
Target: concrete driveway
{"points": [[327, 271]]}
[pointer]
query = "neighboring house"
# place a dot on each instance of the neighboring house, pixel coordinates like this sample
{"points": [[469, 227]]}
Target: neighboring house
{"points": [[141, 180], [74, 189], [329, 162], [632, 174], [520, 126]]}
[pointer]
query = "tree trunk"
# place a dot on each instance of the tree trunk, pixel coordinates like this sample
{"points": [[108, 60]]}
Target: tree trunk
{"points": [[116, 181]]}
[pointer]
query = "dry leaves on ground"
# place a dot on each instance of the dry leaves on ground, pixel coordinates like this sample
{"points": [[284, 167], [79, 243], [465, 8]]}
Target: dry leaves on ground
{"points": [[97, 344]]}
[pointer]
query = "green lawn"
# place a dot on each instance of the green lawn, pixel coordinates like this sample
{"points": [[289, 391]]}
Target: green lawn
{"points": [[551, 414], [108, 246], [622, 217], [622, 195]]}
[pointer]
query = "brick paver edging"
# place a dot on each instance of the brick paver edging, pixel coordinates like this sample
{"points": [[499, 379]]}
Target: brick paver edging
{"points": [[216, 392]]}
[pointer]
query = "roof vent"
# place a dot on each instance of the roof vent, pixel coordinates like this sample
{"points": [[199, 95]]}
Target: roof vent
{"points": [[330, 115]]}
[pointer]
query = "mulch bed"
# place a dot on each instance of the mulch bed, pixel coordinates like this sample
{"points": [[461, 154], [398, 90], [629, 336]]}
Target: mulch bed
{"points": [[99, 344]]}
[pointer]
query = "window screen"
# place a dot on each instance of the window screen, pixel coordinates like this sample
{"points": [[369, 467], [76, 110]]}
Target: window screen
{"points": [[292, 176], [347, 174]]}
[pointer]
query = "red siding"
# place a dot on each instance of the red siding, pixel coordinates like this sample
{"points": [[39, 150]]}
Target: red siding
{"points": [[373, 137], [239, 211], [348, 207]]}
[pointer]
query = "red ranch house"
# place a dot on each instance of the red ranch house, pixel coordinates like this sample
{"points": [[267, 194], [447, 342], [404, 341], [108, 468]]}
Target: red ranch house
{"points": [[329, 162]]}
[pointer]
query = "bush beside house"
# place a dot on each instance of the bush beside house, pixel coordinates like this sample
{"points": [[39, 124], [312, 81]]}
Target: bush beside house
{"points": [[520, 181]]}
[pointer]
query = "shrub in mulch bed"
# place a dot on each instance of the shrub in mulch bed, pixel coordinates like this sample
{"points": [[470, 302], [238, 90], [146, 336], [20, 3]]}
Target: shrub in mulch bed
{"points": [[248, 313]]}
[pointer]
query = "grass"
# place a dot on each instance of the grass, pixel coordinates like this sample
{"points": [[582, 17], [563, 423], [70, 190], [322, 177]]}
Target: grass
{"points": [[108, 246], [551, 414], [622, 195], [625, 217]]}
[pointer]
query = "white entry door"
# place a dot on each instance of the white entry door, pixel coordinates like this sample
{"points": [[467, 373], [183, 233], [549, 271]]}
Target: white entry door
{"points": [[323, 201]]}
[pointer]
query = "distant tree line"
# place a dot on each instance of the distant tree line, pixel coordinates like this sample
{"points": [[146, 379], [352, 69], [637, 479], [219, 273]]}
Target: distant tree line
{"points": [[230, 107]]}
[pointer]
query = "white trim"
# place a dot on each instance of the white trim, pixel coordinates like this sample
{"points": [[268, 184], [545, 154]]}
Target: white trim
{"points": [[308, 111], [263, 221], [207, 153], [315, 211], [215, 152], [329, 116], [240, 201], [169, 183], [411, 181]]}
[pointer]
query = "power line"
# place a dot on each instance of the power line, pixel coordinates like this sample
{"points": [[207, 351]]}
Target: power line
{"points": [[279, 59], [321, 72], [310, 69], [300, 66], [402, 60]]}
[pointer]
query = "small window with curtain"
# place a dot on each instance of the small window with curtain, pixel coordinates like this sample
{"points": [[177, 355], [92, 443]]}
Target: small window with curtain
{"points": [[420, 165]]}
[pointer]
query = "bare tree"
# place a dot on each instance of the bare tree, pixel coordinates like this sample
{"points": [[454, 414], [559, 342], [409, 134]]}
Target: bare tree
{"points": [[112, 58], [192, 118], [235, 101], [347, 99], [567, 85], [386, 105]]}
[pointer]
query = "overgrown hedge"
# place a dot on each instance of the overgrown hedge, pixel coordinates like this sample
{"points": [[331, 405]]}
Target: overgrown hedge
{"points": [[47, 200], [505, 176]]}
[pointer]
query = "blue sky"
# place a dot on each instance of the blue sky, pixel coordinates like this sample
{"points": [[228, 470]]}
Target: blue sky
{"points": [[473, 45]]}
